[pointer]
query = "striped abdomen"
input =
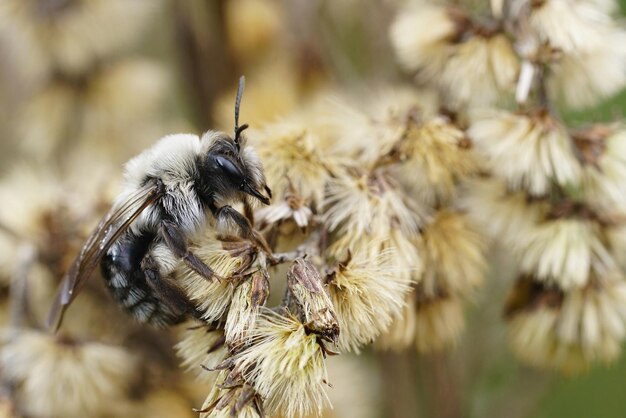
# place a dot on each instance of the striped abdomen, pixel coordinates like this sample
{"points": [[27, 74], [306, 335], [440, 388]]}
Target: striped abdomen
{"points": [[121, 268]]}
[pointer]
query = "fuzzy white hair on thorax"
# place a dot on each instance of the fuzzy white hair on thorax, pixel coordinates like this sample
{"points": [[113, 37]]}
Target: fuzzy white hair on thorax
{"points": [[173, 161]]}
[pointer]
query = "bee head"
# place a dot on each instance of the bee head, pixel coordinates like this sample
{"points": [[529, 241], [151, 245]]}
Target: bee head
{"points": [[232, 167]]}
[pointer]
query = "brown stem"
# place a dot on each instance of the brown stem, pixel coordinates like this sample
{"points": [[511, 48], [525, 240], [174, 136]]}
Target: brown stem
{"points": [[207, 65], [440, 383], [309, 248], [399, 384], [542, 89]]}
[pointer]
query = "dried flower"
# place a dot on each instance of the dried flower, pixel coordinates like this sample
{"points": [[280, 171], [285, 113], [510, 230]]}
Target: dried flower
{"points": [[57, 377], [421, 49], [481, 71], [313, 304], [297, 161], [370, 126], [565, 251], [228, 399], [503, 214], [292, 208], [248, 298], [202, 346], [583, 79], [602, 148], [228, 257], [285, 364], [454, 253], [430, 323], [567, 332], [435, 156], [529, 151], [469, 63], [571, 26], [366, 294], [369, 206]]}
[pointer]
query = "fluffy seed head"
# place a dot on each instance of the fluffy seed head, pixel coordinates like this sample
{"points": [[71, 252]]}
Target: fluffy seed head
{"points": [[202, 346], [603, 148], [285, 365], [565, 251], [434, 157], [369, 206], [583, 79], [422, 37], [296, 160], [503, 214], [482, 70], [248, 298], [366, 293], [428, 323], [454, 253], [567, 331], [470, 64], [227, 256], [571, 26], [53, 377], [529, 151], [292, 209]]}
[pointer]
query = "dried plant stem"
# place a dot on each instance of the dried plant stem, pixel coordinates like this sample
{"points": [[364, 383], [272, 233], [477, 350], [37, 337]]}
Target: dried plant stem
{"points": [[440, 384], [398, 372], [206, 63], [311, 248]]}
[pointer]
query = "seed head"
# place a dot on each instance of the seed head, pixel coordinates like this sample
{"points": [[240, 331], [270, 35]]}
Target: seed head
{"points": [[366, 294], [285, 365]]}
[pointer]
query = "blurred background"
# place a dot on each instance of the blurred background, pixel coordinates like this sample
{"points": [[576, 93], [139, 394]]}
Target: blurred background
{"points": [[87, 84]]}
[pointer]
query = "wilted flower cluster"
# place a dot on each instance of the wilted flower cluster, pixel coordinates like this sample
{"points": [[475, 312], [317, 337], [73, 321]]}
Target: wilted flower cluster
{"points": [[382, 204], [555, 196], [565, 234], [363, 241]]}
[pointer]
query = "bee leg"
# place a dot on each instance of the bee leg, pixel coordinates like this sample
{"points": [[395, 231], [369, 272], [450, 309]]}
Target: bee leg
{"points": [[226, 214], [176, 241], [167, 291], [248, 211]]}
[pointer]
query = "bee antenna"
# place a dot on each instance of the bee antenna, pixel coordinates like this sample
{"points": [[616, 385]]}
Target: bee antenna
{"points": [[239, 129]]}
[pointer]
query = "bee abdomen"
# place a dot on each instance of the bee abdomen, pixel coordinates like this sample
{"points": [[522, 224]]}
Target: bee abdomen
{"points": [[121, 268]]}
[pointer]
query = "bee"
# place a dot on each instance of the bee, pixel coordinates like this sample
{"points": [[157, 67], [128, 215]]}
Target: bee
{"points": [[170, 192]]}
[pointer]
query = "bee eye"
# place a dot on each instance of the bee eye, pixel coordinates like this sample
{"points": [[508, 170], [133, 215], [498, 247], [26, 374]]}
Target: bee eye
{"points": [[229, 168]]}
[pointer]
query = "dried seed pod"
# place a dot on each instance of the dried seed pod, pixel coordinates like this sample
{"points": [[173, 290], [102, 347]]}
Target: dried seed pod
{"points": [[202, 347], [248, 298], [228, 399], [229, 257], [366, 292], [285, 365], [312, 302]]}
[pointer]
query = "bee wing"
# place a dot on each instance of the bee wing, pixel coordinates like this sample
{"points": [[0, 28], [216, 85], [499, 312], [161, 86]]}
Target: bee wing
{"points": [[109, 229]]}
